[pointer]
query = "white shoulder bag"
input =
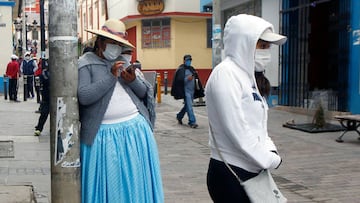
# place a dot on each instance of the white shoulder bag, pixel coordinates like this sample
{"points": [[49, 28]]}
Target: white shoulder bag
{"points": [[261, 188]]}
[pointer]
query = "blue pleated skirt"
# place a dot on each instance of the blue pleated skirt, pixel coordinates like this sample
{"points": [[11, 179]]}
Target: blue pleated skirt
{"points": [[122, 165]]}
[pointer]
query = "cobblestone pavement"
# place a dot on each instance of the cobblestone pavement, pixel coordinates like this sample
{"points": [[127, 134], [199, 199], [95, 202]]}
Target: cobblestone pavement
{"points": [[315, 168]]}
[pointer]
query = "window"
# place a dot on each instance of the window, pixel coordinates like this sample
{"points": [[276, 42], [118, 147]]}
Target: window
{"points": [[85, 21], [156, 33], [252, 7], [103, 7], [91, 17]]}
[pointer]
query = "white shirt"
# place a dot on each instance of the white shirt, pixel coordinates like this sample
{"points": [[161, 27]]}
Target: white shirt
{"points": [[120, 108]]}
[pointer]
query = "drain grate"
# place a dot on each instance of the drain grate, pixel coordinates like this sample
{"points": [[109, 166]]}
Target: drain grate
{"points": [[7, 149]]}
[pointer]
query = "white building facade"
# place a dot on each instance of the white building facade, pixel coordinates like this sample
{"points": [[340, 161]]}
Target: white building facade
{"points": [[6, 35]]}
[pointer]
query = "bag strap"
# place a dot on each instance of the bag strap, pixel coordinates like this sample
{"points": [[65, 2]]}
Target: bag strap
{"points": [[222, 158]]}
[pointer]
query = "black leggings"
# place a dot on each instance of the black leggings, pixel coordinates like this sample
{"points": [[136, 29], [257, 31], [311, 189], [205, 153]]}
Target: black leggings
{"points": [[223, 186], [44, 113]]}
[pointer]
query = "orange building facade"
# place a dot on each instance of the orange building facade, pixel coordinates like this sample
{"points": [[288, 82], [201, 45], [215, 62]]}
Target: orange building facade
{"points": [[162, 31]]}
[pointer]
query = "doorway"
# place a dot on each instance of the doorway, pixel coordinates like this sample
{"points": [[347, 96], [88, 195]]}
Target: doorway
{"points": [[315, 58]]}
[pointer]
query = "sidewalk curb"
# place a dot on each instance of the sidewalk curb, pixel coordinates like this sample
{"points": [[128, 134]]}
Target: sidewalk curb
{"points": [[17, 193]]}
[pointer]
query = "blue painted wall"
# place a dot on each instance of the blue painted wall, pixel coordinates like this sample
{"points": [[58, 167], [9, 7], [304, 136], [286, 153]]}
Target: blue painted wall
{"points": [[354, 69]]}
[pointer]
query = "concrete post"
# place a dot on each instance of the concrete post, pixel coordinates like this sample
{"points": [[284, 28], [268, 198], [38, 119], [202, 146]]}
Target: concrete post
{"points": [[64, 116], [42, 32], [216, 38], [24, 28]]}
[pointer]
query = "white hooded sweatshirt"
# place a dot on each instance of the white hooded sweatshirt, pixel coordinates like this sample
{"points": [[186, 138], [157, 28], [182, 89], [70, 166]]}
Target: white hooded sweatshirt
{"points": [[236, 110]]}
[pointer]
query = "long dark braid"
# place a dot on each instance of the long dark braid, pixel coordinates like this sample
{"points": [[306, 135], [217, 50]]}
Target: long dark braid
{"points": [[263, 84]]}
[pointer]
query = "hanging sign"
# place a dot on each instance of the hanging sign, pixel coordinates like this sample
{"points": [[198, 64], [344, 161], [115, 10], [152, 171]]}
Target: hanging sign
{"points": [[150, 7]]}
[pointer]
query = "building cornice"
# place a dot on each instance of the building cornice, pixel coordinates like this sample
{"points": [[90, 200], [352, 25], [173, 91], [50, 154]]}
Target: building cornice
{"points": [[166, 14]]}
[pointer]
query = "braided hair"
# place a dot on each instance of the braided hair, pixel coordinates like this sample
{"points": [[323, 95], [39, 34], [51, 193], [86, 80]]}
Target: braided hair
{"points": [[263, 84]]}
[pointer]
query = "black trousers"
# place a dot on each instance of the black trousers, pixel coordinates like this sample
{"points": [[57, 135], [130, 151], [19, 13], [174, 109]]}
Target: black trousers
{"points": [[30, 86], [13, 89], [223, 186], [44, 113]]}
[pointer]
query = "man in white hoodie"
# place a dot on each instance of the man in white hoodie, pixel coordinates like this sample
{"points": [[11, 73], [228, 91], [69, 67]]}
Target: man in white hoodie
{"points": [[237, 112]]}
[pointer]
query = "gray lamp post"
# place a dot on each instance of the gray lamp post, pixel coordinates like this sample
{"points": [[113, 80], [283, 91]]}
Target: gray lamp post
{"points": [[34, 36], [26, 31], [18, 28]]}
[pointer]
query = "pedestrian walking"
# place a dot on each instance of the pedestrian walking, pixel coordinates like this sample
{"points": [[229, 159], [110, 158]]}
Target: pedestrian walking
{"points": [[236, 110], [186, 85], [13, 72], [28, 67], [37, 80], [119, 157], [45, 95]]}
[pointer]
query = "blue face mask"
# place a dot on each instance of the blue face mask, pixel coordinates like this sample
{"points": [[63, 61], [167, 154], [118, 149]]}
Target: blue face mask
{"points": [[188, 63]]}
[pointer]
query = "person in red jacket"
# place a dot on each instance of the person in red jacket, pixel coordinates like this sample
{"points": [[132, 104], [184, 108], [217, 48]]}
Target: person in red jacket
{"points": [[37, 75], [12, 72]]}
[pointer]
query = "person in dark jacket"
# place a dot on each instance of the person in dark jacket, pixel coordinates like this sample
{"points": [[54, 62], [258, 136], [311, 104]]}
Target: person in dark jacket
{"points": [[45, 102], [186, 85], [28, 67]]}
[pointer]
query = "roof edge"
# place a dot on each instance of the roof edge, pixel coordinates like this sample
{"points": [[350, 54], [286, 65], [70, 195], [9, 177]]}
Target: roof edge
{"points": [[167, 14]]}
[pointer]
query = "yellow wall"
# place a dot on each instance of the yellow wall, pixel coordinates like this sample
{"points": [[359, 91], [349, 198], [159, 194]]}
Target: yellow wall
{"points": [[188, 36]]}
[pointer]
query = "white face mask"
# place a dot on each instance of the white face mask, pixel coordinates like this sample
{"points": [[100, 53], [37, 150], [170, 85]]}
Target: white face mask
{"points": [[112, 51], [262, 59], [127, 57]]}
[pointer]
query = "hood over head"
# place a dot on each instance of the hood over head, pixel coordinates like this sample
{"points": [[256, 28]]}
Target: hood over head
{"points": [[241, 34]]}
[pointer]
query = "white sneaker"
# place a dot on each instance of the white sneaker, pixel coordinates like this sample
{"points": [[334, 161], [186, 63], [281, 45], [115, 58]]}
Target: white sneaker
{"points": [[37, 133]]}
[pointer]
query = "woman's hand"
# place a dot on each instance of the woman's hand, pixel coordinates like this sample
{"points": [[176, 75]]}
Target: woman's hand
{"points": [[128, 74], [117, 67]]}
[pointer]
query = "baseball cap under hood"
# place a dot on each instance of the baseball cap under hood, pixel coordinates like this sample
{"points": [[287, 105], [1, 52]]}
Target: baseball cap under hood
{"points": [[241, 34], [272, 37]]}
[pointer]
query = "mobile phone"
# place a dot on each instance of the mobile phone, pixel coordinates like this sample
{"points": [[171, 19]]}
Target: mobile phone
{"points": [[137, 65], [128, 69]]}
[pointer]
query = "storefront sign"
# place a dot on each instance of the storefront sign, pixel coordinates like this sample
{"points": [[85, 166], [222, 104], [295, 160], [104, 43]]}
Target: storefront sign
{"points": [[151, 7]]}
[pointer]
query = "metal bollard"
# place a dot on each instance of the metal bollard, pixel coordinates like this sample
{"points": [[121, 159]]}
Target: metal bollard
{"points": [[37, 88], [25, 87], [158, 79], [165, 82], [5, 86]]}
